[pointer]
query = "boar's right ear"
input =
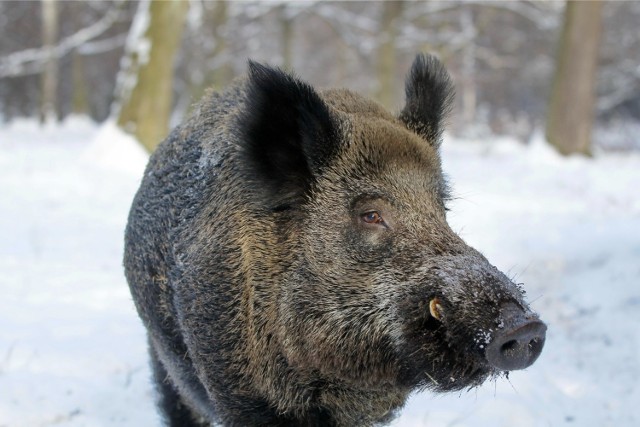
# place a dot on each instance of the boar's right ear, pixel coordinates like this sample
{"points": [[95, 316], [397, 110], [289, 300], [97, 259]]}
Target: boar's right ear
{"points": [[429, 92], [289, 134]]}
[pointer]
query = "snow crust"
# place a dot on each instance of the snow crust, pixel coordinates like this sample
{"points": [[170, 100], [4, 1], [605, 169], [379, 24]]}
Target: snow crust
{"points": [[73, 352]]}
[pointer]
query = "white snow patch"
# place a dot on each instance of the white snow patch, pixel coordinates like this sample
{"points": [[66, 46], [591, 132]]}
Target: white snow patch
{"points": [[113, 149], [72, 351]]}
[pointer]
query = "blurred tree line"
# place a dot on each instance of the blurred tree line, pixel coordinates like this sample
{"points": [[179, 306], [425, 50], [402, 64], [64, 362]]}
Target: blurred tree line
{"points": [[103, 58]]}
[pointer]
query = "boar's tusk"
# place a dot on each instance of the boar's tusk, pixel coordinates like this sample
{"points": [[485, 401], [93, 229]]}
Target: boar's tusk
{"points": [[435, 308]]}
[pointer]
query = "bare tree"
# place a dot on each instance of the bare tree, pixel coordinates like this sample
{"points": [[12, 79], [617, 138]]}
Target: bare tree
{"points": [[286, 38], [50, 69], [30, 61], [145, 84], [386, 66], [219, 15], [80, 99], [571, 107]]}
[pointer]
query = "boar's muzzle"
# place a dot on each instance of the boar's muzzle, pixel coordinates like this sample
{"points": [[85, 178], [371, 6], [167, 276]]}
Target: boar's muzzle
{"points": [[519, 342], [469, 322]]}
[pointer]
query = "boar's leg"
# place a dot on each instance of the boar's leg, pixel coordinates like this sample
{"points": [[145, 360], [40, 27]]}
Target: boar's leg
{"points": [[174, 411]]}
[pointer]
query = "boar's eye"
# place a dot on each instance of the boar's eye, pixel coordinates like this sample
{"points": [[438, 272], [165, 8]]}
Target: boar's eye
{"points": [[373, 217]]}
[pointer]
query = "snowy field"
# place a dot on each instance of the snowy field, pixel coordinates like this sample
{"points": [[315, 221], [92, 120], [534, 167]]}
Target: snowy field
{"points": [[72, 351]]}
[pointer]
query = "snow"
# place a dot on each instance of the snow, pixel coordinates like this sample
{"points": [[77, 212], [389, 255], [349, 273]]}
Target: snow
{"points": [[73, 352]]}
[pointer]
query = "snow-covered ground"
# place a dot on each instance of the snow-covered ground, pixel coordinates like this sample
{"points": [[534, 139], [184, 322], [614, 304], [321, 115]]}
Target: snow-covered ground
{"points": [[72, 351]]}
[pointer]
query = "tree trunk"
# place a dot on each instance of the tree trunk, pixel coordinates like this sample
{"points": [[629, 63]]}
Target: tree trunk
{"points": [[219, 68], [80, 99], [571, 106], [286, 36], [469, 69], [219, 77], [146, 106], [386, 67], [49, 82]]}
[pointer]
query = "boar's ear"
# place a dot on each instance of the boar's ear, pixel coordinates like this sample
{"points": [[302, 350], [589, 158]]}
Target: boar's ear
{"points": [[289, 134], [429, 91]]}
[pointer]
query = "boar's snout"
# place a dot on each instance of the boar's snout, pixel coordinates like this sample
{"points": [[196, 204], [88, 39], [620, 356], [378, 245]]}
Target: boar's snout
{"points": [[518, 343]]}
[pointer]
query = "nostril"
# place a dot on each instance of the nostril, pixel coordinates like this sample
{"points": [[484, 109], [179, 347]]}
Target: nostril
{"points": [[508, 346], [536, 344]]}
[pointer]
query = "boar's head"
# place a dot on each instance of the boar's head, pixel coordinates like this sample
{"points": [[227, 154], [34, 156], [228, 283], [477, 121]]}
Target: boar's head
{"points": [[375, 290]]}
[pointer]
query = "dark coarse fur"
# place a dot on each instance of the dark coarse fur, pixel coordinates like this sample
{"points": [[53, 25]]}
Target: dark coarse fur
{"points": [[283, 249]]}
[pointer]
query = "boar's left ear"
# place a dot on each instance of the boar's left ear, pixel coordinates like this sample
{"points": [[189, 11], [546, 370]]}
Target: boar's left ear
{"points": [[289, 134], [429, 92]]}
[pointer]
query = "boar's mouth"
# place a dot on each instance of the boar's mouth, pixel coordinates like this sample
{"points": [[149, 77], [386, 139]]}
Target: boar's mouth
{"points": [[444, 355], [435, 360]]}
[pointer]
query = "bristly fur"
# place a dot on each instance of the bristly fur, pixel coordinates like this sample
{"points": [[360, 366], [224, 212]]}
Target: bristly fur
{"points": [[283, 250], [429, 98]]}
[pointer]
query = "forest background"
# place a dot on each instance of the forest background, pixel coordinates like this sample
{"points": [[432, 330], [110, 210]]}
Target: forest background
{"points": [[518, 66]]}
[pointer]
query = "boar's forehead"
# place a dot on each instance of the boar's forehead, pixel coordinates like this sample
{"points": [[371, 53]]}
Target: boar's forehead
{"points": [[382, 155]]}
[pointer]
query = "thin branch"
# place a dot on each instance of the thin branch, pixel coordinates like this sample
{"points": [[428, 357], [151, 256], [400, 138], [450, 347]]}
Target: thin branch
{"points": [[104, 45], [31, 61]]}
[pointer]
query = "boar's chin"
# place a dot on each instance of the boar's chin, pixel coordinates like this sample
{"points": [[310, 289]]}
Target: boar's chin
{"points": [[451, 370], [437, 358]]}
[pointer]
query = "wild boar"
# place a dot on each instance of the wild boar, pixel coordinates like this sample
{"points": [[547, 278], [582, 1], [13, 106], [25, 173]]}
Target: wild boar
{"points": [[289, 254]]}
